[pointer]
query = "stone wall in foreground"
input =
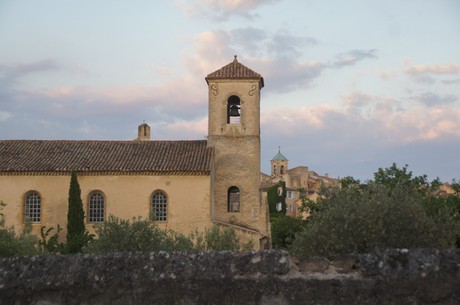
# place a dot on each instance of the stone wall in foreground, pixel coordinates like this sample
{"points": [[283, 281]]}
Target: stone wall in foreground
{"points": [[265, 277]]}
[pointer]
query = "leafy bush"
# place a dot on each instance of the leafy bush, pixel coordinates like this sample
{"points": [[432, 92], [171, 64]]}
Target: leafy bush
{"points": [[143, 235], [284, 229], [217, 239], [15, 245], [378, 216], [137, 235], [50, 244]]}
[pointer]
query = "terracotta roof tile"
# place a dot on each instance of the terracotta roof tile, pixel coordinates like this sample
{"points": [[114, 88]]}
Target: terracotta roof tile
{"points": [[160, 157], [235, 70]]}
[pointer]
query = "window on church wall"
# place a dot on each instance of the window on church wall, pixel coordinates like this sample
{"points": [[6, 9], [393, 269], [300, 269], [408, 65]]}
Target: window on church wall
{"points": [[282, 169], [274, 170], [159, 206], [32, 207], [233, 110], [233, 199], [96, 208]]}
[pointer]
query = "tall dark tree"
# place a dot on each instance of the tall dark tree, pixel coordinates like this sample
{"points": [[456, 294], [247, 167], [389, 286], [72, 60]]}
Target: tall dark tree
{"points": [[76, 231]]}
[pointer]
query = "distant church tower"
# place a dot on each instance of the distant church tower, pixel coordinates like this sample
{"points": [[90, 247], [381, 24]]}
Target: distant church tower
{"points": [[279, 164], [234, 132]]}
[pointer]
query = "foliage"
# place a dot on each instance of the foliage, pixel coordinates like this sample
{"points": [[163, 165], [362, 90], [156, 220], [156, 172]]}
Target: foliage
{"points": [[15, 245], [137, 235], [433, 203], [143, 235], [379, 216], [274, 198], [217, 239], [349, 182], [309, 206], [394, 175], [50, 244], [284, 228], [77, 236]]}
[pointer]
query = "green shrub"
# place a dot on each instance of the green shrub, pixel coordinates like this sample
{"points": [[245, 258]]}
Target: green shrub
{"points": [[50, 244], [217, 238], [143, 235], [376, 217], [284, 229], [12, 244], [137, 235]]}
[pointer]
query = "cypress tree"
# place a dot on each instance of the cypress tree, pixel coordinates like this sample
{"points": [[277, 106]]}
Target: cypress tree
{"points": [[76, 231]]}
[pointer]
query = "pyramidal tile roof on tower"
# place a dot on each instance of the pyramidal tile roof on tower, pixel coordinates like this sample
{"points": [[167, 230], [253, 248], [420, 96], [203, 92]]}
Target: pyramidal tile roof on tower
{"points": [[235, 70], [279, 156]]}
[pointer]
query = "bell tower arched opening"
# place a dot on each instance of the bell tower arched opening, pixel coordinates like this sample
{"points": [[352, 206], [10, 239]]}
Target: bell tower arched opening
{"points": [[233, 110]]}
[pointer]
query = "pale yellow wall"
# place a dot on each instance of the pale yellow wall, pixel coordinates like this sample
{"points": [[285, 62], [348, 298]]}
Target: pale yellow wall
{"points": [[126, 196]]}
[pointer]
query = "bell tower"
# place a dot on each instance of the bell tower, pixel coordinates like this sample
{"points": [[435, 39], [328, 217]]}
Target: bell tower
{"points": [[234, 132], [279, 164]]}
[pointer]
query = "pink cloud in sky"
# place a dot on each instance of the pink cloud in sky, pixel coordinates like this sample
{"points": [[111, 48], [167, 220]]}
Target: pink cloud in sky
{"points": [[452, 69], [197, 128], [378, 119], [220, 10]]}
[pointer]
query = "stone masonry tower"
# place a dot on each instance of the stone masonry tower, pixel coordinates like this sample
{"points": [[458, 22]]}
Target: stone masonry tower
{"points": [[234, 132], [279, 164]]}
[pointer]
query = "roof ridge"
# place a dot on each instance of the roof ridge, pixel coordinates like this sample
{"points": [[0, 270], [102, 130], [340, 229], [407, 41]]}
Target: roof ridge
{"points": [[235, 70]]}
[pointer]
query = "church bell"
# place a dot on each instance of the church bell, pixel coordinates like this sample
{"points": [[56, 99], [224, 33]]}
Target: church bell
{"points": [[234, 111]]}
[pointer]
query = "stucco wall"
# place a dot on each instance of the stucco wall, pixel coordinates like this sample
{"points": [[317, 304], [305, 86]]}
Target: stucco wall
{"points": [[266, 277], [126, 196]]}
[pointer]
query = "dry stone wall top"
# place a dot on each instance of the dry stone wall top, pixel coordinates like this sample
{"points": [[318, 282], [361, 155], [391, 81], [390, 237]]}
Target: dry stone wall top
{"points": [[396, 276]]}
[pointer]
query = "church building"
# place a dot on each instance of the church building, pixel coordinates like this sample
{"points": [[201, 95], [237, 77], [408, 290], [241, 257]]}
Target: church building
{"points": [[180, 185]]}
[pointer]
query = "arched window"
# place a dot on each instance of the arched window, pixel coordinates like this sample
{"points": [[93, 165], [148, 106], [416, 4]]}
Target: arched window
{"points": [[32, 207], [96, 207], [233, 110], [159, 206], [233, 199], [274, 170], [282, 169]]}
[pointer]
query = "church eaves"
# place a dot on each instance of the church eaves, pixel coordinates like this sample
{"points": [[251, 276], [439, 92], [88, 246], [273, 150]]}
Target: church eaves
{"points": [[121, 157], [235, 70]]}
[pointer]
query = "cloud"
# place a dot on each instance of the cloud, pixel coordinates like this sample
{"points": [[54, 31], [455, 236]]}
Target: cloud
{"points": [[362, 133], [277, 57], [5, 115], [285, 74], [439, 69], [101, 112], [221, 10], [363, 118], [210, 48], [431, 99], [197, 129], [451, 81], [285, 44], [352, 57], [388, 74], [9, 72]]}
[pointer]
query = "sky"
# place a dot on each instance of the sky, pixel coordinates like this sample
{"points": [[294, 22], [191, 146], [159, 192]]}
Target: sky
{"points": [[350, 86]]}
